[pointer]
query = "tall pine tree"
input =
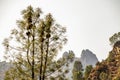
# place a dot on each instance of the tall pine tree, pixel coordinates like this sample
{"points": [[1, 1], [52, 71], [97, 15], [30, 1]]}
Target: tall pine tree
{"points": [[32, 46]]}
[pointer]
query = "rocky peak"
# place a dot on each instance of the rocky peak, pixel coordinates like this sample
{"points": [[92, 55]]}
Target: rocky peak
{"points": [[88, 58]]}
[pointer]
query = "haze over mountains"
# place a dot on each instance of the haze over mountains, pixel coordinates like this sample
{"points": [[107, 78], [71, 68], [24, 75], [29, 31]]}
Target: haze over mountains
{"points": [[87, 58], [4, 66]]}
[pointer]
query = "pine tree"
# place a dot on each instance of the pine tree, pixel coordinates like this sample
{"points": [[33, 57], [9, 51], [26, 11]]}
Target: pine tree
{"points": [[37, 41], [77, 71], [114, 38], [87, 71]]}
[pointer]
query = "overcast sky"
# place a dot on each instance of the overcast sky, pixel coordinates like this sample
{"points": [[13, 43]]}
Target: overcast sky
{"points": [[89, 23]]}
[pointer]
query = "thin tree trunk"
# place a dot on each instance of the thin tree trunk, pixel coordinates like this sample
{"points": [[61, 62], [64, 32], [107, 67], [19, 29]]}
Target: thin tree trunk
{"points": [[46, 60], [41, 64], [33, 62]]}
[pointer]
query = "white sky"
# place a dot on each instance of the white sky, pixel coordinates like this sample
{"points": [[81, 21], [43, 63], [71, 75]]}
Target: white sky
{"points": [[89, 23]]}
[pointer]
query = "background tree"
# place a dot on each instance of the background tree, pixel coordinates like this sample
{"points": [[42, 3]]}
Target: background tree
{"points": [[87, 71], [77, 71], [71, 55], [33, 45], [113, 39]]}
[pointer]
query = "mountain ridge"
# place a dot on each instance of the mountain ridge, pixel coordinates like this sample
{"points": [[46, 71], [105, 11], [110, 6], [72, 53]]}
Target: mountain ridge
{"points": [[69, 60]]}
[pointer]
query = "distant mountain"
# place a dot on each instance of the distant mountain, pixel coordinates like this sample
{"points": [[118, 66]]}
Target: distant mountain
{"points": [[4, 66], [67, 63], [88, 58], [69, 59]]}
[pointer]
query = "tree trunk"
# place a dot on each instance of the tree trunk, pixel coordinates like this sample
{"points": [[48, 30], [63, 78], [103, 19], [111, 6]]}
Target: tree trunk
{"points": [[33, 62], [41, 65], [46, 60]]}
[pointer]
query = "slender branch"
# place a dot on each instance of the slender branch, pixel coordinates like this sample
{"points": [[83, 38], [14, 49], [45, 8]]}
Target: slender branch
{"points": [[16, 48], [54, 71]]}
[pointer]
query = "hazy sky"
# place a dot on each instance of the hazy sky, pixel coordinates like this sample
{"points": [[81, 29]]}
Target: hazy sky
{"points": [[89, 23]]}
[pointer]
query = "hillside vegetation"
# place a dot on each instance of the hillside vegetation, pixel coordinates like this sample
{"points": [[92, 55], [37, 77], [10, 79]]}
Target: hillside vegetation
{"points": [[108, 69]]}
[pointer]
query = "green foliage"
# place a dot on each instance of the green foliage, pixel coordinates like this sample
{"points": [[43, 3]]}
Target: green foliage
{"points": [[77, 71], [37, 41], [111, 57], [71, 55], [113, 39], [103, 76], [61, 78], [108, 69], [14, 74], [117, 77], [52, 78], [87, 71], [98, 72], [67, 71]]}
